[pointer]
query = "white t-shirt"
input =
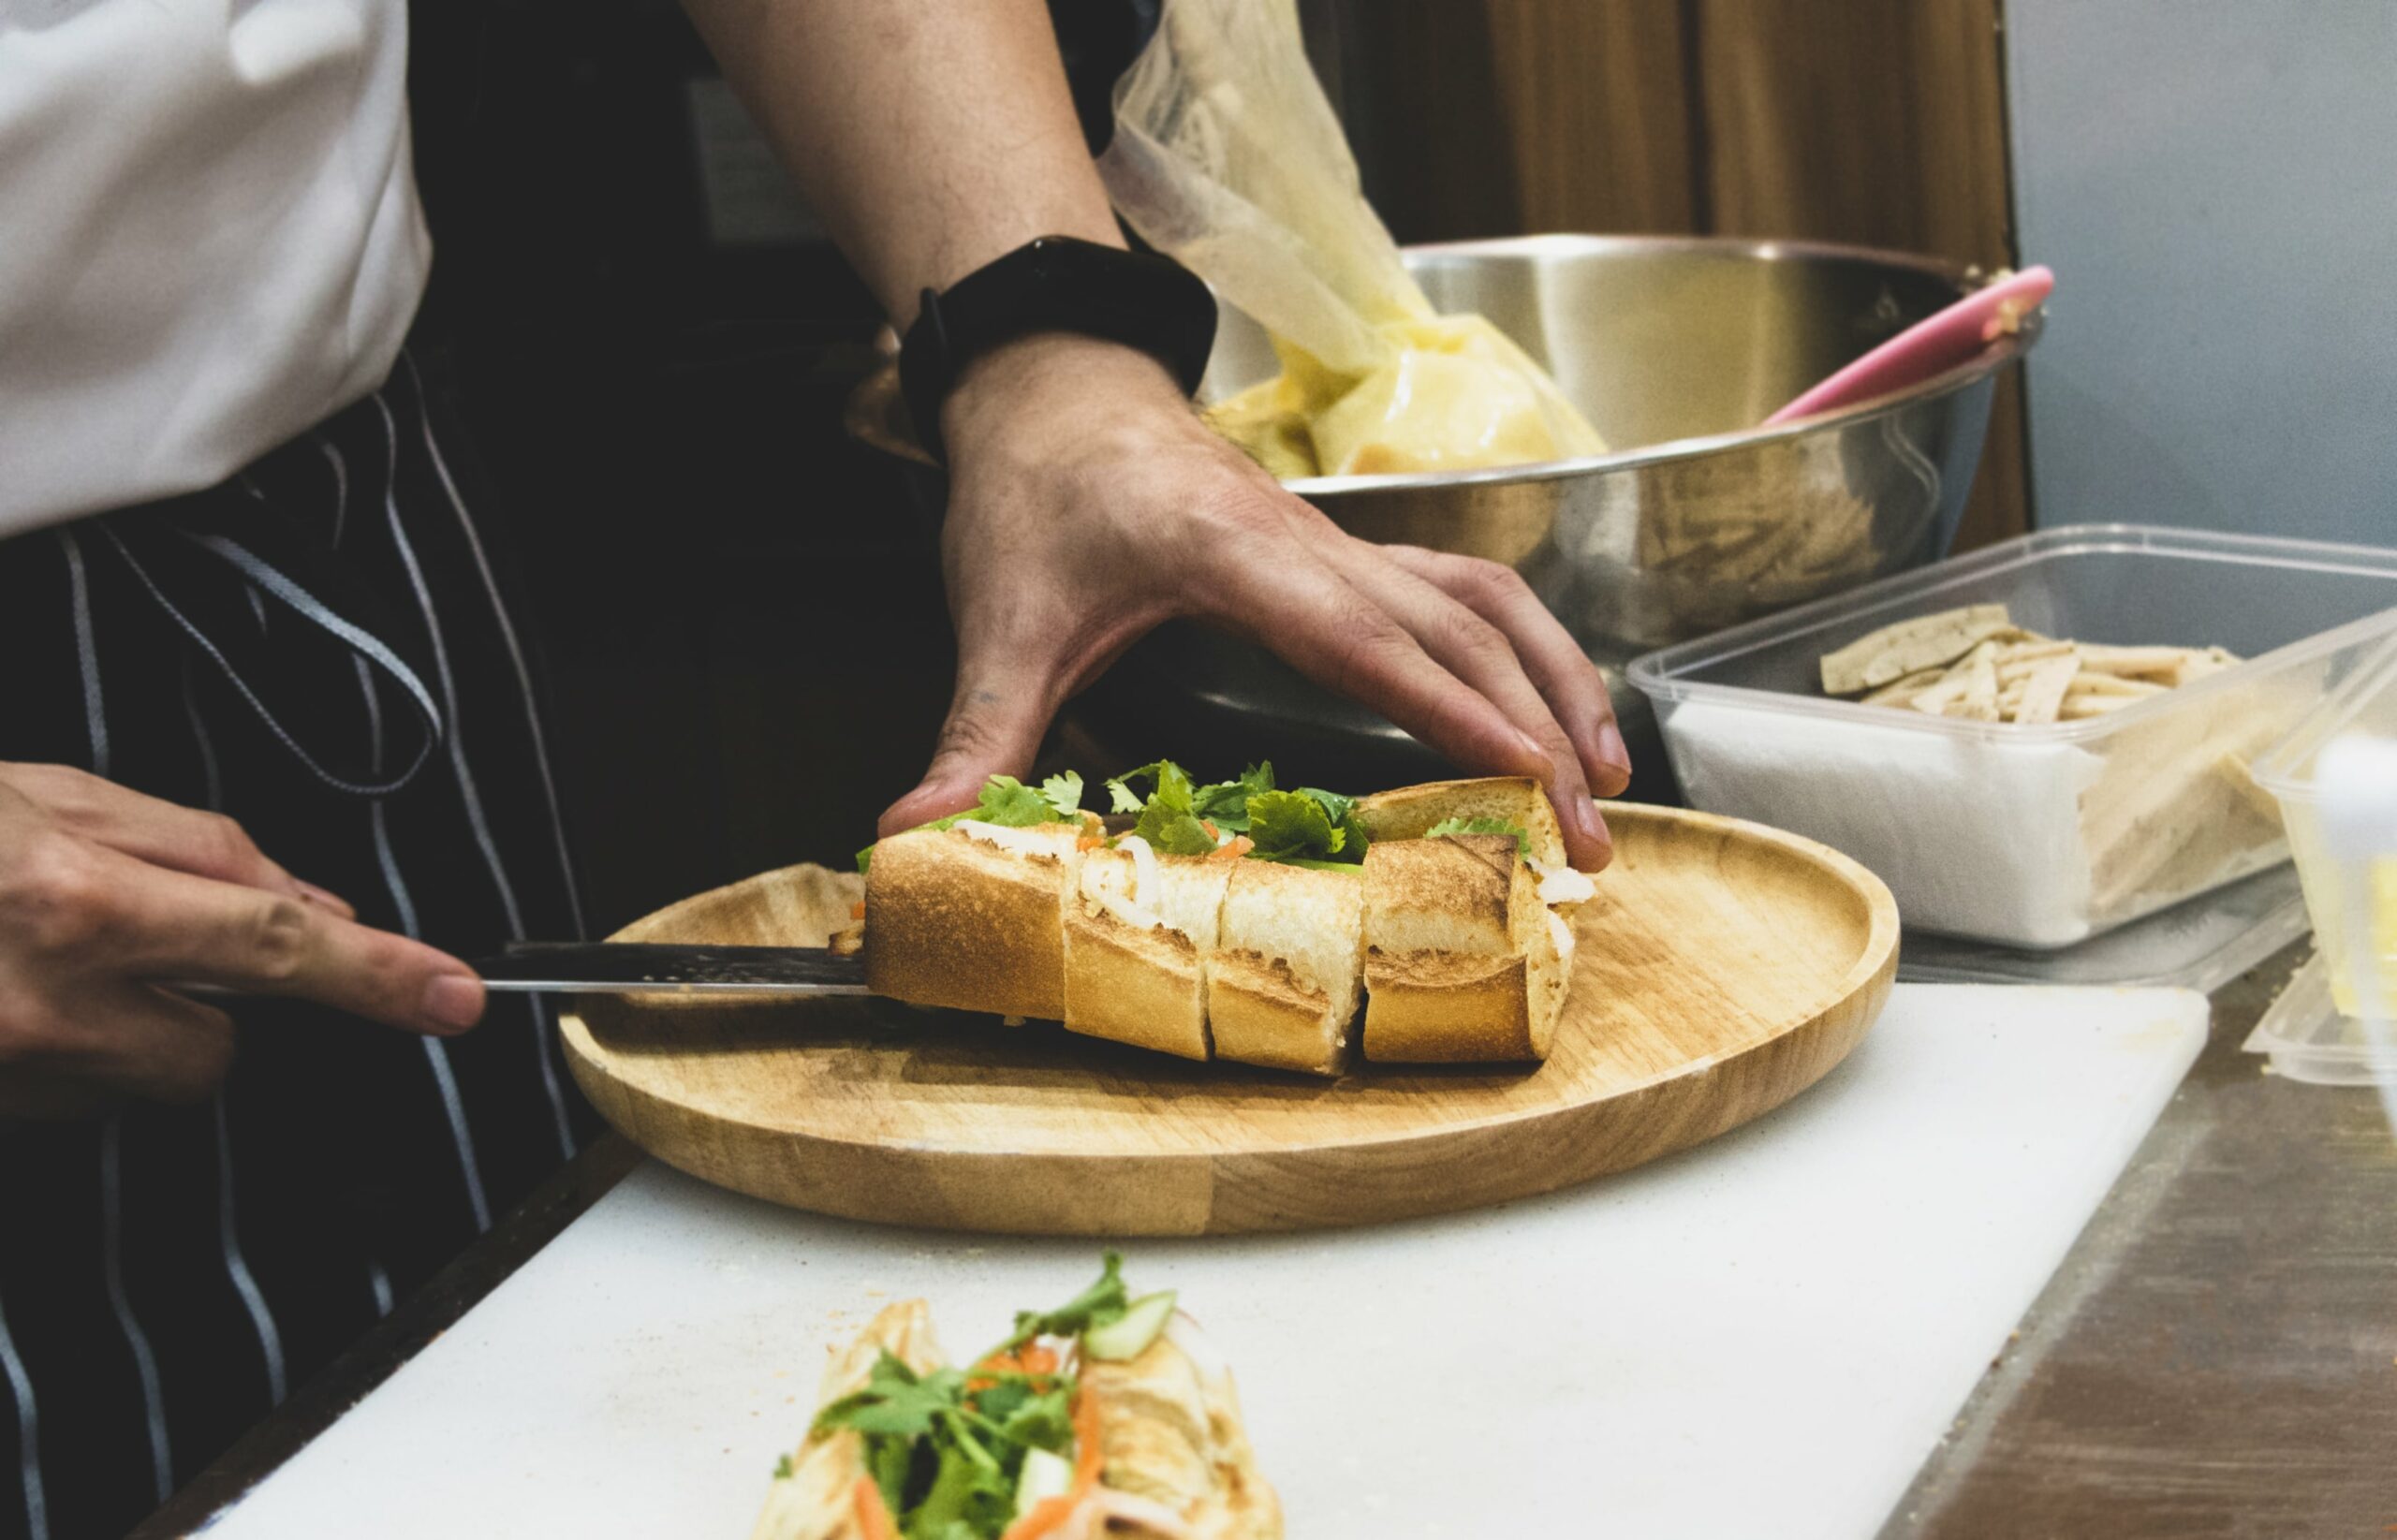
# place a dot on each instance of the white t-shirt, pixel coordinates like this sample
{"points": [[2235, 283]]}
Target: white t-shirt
{"points": [[210, 238]]}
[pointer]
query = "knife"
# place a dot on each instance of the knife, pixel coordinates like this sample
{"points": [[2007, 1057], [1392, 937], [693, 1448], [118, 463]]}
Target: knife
{"points": [[621, 967]]}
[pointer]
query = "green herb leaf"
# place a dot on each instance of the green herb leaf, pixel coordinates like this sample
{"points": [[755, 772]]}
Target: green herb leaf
{"points": [[1352, 839], [782, 1468], [1226, 802], [1009, 803], [894, 1401], [1042, 1419], [1096, 1305], [1174, 833], [1305, 825], [890, 1459], [1063, 792], [971, 1496], [1168, 784], [1480, 826]]}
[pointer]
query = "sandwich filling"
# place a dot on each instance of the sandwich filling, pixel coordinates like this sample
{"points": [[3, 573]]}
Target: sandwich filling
{"points": [[1102, 1416], [1241, 919]]}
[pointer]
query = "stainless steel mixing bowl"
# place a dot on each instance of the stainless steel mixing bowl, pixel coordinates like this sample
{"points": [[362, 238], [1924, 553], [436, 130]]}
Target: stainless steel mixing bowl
{"points": [[1675, 348]]}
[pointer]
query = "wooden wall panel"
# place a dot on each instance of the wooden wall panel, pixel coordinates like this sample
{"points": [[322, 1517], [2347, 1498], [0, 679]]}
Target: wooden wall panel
{"points": [[1494, 117], [1879, 122]]}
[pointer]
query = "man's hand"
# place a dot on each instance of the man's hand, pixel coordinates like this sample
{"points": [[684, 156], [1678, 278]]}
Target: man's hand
{"points": [[1088, 503], [107, 898]]}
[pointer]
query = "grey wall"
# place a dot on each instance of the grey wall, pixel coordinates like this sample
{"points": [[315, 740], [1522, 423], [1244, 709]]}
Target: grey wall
{"points": [[2214, 183]]}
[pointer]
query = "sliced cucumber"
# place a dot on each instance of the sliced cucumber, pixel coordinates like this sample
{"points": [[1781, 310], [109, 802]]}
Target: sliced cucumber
{"points": [[1129, 1335], [1044, 1476]]}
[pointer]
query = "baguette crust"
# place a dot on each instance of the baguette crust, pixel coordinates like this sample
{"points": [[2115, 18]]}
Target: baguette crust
{"points": [[1136, 986], [816, 1499], [1461, 964], [1282, 986], [1406, 812], [1170, 1431], [955, 921], [1134, 959]]}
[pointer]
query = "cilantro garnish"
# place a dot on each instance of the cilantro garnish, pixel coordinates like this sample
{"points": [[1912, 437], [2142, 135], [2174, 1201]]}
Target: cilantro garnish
{"points": [[1306, 825], [1009, 803], [1480, 826], [1096, 1305], [947, 1448]]}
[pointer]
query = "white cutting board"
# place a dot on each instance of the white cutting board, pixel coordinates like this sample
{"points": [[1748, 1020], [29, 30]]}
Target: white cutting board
{"points": [[1765, 1335]]}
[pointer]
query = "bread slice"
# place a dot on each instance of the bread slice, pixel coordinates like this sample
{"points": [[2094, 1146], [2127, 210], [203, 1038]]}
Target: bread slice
{"points": [[1462, 960], [1139, 928], [972, 917], [1410, 812], [1282, 984]]}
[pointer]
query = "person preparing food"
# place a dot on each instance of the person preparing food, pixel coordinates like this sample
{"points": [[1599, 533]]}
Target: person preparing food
{"points": [[258, 655]]}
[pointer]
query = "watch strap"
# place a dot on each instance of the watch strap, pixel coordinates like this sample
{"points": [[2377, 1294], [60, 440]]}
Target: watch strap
{"points": [[1054, 284]]}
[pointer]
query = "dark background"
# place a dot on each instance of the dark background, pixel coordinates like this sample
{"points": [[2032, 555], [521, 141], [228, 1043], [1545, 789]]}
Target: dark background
{"points": [[742, 623]]}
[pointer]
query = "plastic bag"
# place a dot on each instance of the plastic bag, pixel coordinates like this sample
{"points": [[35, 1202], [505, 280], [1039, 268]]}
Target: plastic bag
{"points": [[1228, 158]]}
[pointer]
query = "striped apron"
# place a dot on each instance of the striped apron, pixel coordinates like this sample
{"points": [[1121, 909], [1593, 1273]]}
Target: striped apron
{"points": [[319, 649]]}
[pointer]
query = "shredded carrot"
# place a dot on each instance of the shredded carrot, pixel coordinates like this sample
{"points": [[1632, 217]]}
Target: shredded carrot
{"points": [[1050, 1513], [857, 910], [1090, 842], [1240, 844], [1032, 1360], [1087, 1453], [874, 1515], [1046, 1516], [1209, 825]]}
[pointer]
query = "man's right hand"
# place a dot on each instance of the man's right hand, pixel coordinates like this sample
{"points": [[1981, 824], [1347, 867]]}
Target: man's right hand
{"points": [[109, 897]]}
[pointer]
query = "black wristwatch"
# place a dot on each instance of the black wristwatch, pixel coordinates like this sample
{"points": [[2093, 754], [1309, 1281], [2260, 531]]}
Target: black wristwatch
{"points": [[1054, 284]]}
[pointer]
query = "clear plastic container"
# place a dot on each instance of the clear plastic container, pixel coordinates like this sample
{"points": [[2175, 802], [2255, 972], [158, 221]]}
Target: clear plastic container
{"points": [[2351, 878], [2310, 1039], [2035, 836]]}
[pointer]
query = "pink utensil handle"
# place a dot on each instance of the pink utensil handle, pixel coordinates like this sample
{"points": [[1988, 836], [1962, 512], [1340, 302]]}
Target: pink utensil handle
{"points": [[1928, 347]]}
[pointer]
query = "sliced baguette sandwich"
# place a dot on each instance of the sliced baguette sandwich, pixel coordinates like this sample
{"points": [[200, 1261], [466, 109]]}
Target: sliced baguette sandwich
{"points": [[1241, 921]]}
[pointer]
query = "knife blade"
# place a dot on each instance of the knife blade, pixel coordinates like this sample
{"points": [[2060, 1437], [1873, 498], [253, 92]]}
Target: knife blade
{"points": [[623, 967]]}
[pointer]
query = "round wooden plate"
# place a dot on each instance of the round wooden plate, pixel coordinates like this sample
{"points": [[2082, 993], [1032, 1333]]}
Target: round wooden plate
{"points": [[1723, 968]]}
